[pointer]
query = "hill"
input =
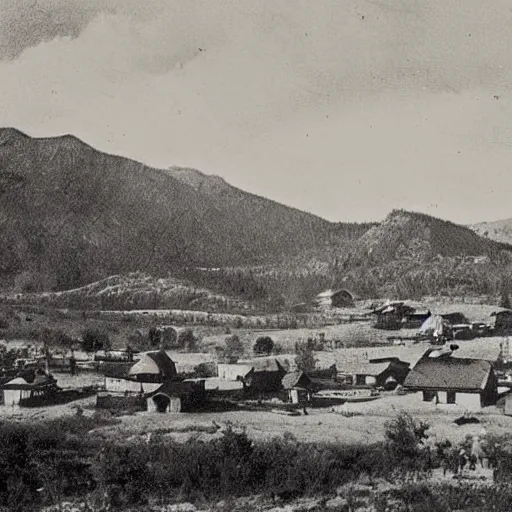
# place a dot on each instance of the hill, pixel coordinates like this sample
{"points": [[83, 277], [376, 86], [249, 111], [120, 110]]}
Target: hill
{"points": [[414, 236], [135, 290], [410, 255], [71, 215], [500, 230]]}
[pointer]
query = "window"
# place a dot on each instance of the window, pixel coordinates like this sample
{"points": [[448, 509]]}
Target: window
{"points": [[428, 396], [450, 397]]}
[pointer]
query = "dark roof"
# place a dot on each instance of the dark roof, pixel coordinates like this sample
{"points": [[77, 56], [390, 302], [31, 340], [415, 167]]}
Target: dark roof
{"points": [[263, 380], [295, 379], [178, 388], [455, 318], [449, 373]]}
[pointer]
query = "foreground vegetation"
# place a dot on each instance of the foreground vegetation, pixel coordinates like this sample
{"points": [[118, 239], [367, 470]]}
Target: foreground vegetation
{"points": [[68, 460]]}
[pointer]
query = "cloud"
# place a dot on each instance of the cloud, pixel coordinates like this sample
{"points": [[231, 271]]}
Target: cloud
{"points": [[280, 98]]}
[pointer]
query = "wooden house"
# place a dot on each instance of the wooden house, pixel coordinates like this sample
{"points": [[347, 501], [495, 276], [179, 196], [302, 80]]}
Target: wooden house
{"points": [[384, 372], [469, 383], [334, 299]]}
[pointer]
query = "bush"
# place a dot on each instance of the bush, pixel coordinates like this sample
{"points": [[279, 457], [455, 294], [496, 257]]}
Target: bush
{"points": [[405, 437], [263, 345]]}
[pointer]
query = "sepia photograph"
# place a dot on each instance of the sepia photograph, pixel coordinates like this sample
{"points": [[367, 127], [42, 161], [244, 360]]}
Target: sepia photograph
{"points": [[255, 256]]}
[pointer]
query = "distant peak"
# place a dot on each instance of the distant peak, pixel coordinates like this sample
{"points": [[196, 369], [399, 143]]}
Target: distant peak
{"points": [[8, 135]]}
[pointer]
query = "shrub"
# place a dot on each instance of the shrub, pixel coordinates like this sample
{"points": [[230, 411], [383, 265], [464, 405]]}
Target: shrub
{"points": [[263, 345], [405, 436]]}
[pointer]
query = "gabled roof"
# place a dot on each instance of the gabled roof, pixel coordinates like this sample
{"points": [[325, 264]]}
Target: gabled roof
{"points": [[295, 379], [155, 363], [449, 373], [178, 388], [362, 367], [331, 293], [267, 364]]}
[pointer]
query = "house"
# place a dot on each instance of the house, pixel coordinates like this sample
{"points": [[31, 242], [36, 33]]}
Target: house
{"points": [[18, 390], [470, 383], [502, 321], [298, 386], [146, 375], [384, 372], [233, 371], [391, 314], [265, 378], [177, 396], [334, 299]]}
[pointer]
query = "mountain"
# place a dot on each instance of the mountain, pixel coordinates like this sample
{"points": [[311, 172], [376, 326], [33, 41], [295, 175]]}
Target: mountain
{"points": [[410, 255], [418, 237], [500, 230], [71, 215]]}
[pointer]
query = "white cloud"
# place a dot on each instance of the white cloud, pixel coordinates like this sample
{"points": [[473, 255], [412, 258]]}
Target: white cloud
{"points": [[347, 109]]}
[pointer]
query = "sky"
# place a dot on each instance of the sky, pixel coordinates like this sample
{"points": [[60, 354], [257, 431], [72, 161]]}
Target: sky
{"points": [[346, 109]]}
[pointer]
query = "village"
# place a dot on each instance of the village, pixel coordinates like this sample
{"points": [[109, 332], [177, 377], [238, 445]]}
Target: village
{"points": [[424, 361]]}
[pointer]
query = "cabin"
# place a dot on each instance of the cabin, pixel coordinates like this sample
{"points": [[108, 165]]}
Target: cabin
{"points": [[177, 396], [385, 372], [334, 299], [18, 391], [391, 315], [469, 383], [502, 322], [298, 387], [264, 381]]}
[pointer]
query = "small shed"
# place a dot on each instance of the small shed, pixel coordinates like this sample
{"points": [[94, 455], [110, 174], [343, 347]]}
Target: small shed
{"points": [[298, 386], [177, 396], [335, 299], [470, 383]]}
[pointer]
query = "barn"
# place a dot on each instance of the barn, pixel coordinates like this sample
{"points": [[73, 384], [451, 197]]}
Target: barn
{"points": [[335, 299]]}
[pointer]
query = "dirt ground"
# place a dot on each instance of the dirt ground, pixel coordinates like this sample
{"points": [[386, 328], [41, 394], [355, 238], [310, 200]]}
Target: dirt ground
{"points": [[355, 423]]}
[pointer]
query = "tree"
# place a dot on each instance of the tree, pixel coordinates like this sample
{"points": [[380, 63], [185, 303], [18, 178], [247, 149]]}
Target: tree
{"points": [[234, 348], [155, 336], [263, 345], [305, 358], [505, 297], [187, 340], [95, 339]]}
